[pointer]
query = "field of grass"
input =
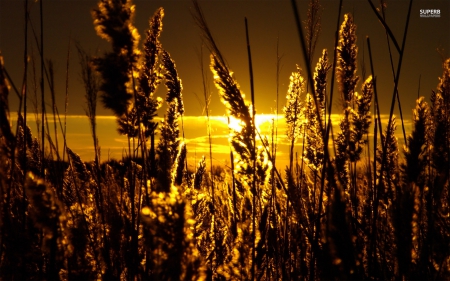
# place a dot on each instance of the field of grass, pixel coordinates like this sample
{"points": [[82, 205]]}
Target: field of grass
{"points": [[352, 205]]}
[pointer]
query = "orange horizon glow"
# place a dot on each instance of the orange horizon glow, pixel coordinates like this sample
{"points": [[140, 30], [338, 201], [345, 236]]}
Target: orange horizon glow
{"points": [[115, 146]]}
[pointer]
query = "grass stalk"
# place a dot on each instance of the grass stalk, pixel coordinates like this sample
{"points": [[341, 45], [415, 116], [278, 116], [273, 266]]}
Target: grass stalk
{"points": [[35, 93], [66, 101], [274, 153], [395, 92], [6, 133], [393, 75], [385, 25], [11, 139], [233, 180], [326, 159], [53, 97], [41, 13], [377, 126], [84, 215], [24, 87], [252, 93], [418, 90], [207, 98]]}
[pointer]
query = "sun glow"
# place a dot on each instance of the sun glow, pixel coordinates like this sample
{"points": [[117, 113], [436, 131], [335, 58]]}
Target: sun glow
{"points": [[264, 123], [235, 124]]}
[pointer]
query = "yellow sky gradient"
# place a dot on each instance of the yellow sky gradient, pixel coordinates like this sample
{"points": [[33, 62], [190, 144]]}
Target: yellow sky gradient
{"points": [[113, 145]]}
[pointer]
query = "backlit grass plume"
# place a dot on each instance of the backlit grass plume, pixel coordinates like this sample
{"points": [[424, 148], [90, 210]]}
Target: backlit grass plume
{"points": [[361, 118], [390, 176], [346, 62], [320, 80], [441, 116], [170, 239], [168, 146], [48, 214], [244, 148], [173, 83], [233, 99], [294, 105], [416, 150], [150, 75], [229, 92], [314, 151], [355, 122], [313, 27], [113, 21], [294, 113], [426, 176]]}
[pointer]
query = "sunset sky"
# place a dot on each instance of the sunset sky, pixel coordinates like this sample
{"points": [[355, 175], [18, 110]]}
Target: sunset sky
{"points": [[114, 146], [70, 21]]}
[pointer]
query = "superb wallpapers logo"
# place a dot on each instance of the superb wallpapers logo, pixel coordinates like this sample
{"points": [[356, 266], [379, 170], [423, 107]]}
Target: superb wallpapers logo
{"points": [[430, 13]]}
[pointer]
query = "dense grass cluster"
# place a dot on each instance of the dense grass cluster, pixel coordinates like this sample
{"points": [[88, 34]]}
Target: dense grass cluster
{"points": [[369, 210]]}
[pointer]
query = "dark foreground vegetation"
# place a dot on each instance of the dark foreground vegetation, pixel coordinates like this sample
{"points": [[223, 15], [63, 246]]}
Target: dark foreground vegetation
{"points": [[367, 210]]}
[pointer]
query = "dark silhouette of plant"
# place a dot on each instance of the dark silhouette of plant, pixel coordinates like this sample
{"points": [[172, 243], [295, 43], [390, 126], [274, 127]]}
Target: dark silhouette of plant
{"points": [[313, 27], [113, 22], [416, 158], [5, 129]]}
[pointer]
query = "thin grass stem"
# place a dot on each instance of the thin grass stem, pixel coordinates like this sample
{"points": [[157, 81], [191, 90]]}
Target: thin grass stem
{"points": [[388, 30], [393, 74], [252, 92], [396, 81], [42, 89]]}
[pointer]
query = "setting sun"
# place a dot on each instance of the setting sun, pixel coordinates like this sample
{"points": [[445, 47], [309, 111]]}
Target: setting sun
{"points": [[264, 122]]}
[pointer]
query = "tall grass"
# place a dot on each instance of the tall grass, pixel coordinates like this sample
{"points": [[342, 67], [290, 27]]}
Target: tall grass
{"points": [[147, 217]]}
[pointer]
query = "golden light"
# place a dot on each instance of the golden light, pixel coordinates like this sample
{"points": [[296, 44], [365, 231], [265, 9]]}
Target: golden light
{"points": [[235, 124], [264, 123]]}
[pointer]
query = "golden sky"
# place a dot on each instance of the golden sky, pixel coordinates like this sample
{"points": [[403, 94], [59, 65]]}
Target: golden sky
{"points": [[113, 145], [68, 22], [271, 23]]}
